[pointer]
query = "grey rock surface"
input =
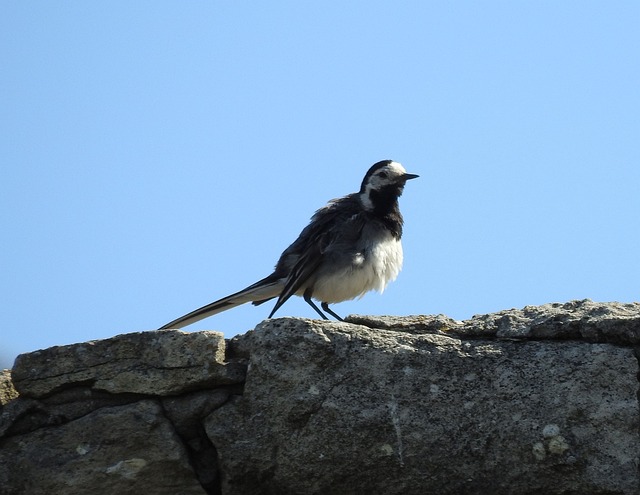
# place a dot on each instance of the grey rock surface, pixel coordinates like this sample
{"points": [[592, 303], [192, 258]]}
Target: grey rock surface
{"points": [[7, 390], [165, 362], [585, 320], [129, 449], [340, 408], [536, 400]]}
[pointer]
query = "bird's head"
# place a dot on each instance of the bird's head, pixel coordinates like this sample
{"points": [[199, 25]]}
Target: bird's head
{"points": [[384, 182]]}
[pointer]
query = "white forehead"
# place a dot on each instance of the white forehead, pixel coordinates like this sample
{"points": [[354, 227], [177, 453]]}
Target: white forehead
{"points": [[395, 168]]}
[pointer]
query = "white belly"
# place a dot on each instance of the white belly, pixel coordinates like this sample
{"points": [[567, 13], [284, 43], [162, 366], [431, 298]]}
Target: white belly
{"points": [[373, 272]]}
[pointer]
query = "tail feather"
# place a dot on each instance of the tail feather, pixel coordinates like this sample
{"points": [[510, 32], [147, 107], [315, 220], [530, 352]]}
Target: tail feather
{"points": [[259, 292]]}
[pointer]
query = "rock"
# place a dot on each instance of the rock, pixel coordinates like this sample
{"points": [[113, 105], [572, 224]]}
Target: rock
{"points": [[165, 362], [26, 415], [129, 449], [586, 320], [537, 400], [341, 408], [187, 414], [7, 390], [418, 324]]}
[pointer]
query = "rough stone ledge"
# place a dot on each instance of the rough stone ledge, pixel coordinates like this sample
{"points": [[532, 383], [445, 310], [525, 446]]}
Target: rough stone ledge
{"points": [[537, 400], [164, 362], [615, 323], [333, 407]]}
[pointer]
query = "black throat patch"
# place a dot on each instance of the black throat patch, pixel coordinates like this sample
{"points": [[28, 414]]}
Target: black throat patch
{"points": [[386, 209]]}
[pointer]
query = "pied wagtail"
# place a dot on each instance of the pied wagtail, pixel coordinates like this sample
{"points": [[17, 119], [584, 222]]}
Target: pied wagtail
{"points": [[351, 246]]}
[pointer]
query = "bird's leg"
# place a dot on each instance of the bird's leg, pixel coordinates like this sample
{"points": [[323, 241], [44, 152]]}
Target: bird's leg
{"points": [[307, 297], [326, 307]]}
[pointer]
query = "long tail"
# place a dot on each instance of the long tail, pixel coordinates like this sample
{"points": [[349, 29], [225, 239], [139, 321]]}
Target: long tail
{"points": [[259, 292]]}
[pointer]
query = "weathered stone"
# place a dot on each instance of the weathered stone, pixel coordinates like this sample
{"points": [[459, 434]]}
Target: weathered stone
{"points": [[7, 390], [417, 324], [537, 400], [125, 450], [584, 320], [186, 412], [343, 409], [22, 412], [156, 363], [26, 414], [617, 323]]}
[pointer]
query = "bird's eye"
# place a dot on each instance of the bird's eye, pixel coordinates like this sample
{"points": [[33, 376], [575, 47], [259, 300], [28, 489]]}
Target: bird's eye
{"points": [[382, 175]]}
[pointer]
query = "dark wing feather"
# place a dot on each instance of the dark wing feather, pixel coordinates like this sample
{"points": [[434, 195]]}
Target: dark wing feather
{"points": [[302, 270], [307, 251]]}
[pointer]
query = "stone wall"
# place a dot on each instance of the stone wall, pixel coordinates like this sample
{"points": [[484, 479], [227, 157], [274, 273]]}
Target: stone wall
{"points": [[538, 400]]}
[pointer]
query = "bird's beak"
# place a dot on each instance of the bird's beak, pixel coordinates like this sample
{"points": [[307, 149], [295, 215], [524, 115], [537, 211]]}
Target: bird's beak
{"points": [[407, 177]]}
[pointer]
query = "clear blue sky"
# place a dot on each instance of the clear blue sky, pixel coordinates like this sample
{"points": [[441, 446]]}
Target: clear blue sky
{"points": [[159, 155]]}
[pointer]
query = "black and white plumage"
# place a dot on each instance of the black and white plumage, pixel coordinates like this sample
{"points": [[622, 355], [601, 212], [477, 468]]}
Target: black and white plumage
{"points": [[350, 247]]}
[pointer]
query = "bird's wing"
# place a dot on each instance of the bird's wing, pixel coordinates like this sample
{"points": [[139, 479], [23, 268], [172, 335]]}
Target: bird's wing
{"points": [[312, 244], [306, 265]]}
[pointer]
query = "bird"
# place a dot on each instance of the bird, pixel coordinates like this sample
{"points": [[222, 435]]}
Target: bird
{"points": [[350, 247]]}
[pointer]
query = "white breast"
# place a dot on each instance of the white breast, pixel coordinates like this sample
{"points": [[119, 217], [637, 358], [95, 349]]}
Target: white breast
{"points": [[373, 271]]}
